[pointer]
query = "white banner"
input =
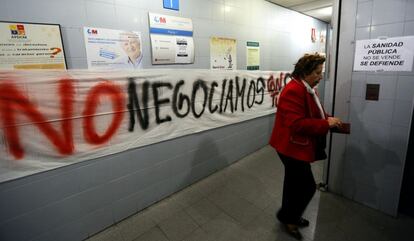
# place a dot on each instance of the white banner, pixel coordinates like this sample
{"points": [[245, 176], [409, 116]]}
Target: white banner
{"points": [[388, 54], [55, 118]]}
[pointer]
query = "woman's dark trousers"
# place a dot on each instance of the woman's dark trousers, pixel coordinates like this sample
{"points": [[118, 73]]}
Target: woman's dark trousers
{"points": [[298, 189]]}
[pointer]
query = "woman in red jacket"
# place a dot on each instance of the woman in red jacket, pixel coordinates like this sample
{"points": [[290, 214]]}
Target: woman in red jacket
{"points": [[299, 137]]}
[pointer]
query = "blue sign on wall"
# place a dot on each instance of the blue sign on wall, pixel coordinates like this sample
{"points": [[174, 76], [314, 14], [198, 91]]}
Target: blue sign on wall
{"points": [[172, 4]]}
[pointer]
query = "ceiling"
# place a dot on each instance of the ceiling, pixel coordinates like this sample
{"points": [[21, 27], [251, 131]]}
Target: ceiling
{"points": [[321, 9]]}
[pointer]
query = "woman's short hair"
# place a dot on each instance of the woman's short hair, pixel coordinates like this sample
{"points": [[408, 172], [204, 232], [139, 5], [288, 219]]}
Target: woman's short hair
{"points": [[307, 64]]}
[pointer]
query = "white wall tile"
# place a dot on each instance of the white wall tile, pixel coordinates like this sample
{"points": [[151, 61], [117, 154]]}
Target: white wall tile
{"points": [[260, 15], [102, 1], [200, 24], [202, 62], [235, 15], [279, 44], [8, 8], [130, 3], [398, 142], [364, 13], [378, 111], [63, 12], [356, 115], [409, 28], [358, 85], [203, 47], [405, 88], [386, 11], [131, 18], [17, 11], [402, 113], [217, 11], [409, 11], [238, 3], [196, 8], [76, 63], [73, 42], [362, 33], [388, 85], [387, 30], [376, 138], [101, 15]]}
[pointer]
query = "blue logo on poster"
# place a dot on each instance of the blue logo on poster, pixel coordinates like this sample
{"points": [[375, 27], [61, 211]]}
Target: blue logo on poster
{"points": [[171, 4]]}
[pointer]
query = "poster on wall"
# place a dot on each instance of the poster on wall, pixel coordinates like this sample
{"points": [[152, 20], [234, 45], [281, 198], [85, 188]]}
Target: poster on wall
{"points": [[384, 54], [31, 46], [171, 39], [223, 53], [113, 49], [253, 55]]}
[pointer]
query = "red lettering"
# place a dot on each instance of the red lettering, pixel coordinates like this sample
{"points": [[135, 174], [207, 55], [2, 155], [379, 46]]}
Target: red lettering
{"points": [[274, 86], [92, 102], [13, 101]]}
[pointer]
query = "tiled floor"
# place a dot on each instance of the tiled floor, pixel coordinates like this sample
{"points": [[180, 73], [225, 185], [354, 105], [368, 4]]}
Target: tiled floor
{"points": [[239, 203]]}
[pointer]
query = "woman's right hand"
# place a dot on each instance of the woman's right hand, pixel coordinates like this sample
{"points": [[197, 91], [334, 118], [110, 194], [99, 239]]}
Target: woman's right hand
{"points": [[334, 122]]}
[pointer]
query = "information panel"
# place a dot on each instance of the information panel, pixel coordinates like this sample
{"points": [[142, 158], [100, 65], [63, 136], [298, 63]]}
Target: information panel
{"points": [[171, 39], [31, 46], [252, 55]]}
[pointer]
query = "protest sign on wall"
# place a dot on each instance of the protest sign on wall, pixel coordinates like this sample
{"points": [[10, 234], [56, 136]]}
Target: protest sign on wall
{"points": [[50, 119], [385, 54]]}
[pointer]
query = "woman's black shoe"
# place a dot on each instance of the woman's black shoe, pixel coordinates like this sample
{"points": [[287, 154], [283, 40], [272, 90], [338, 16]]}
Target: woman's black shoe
{"points": [[293, 231], [303, 222]]}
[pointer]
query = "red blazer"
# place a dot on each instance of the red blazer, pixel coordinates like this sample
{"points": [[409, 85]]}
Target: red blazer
{"points": [[298, 123]]}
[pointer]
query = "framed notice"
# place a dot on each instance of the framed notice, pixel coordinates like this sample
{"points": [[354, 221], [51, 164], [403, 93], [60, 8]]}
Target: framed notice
{"points": [[171, 39], [252, 55], [223, 53], [31, 46]]}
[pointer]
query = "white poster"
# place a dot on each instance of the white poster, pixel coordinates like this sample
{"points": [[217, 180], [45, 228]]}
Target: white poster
{"points": [[253, 55], [31, 46], [223, 53], [171, 39], [172, 49], [113, 49], [388, 54], [51, 119]]}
